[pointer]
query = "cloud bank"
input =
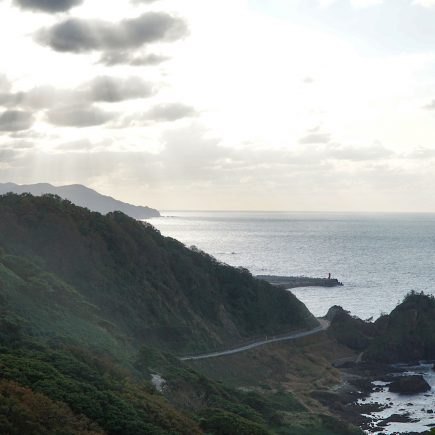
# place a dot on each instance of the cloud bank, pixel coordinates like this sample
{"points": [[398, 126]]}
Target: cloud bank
{"points": [[76, 35], [50, 6]]}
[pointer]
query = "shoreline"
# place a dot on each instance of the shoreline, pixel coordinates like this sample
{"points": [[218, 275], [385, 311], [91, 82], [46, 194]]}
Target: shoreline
{"points": [[352, 399]]}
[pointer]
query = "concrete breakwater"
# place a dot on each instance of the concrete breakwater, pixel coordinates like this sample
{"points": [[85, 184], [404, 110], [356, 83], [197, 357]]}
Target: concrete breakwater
{"points": [[299, 281]]}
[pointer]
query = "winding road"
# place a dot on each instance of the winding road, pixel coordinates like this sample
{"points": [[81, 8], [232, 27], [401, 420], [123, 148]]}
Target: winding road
{"points": [[323, 326]]}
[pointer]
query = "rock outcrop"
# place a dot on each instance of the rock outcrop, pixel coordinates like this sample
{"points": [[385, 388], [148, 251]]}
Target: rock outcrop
{"points": [[410, 385], [407, 334]]}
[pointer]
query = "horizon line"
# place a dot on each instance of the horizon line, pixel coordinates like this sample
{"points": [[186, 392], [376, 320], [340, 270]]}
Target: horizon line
{"points": [[294, 211]]}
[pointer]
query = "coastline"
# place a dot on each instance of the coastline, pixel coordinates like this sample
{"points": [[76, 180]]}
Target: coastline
{"points": [[363, 398]]}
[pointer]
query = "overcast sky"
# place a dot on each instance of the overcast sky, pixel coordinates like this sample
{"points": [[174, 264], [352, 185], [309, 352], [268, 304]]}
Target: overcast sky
{"points": [[229, 104]]}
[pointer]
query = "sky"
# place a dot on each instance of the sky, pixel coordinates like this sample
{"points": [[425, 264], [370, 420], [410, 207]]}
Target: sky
{"points": [[312, 105]]}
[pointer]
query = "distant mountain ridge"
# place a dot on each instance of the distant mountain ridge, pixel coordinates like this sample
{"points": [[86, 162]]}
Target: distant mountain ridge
{"points": [[83, 197]]}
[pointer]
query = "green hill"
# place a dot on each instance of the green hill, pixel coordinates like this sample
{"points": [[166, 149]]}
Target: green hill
{"points": [[138, 285], [88, 306]]}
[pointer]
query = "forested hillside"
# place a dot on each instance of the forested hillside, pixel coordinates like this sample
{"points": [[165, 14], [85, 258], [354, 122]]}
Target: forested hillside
{"points": [[88, 302], [137, 285]]}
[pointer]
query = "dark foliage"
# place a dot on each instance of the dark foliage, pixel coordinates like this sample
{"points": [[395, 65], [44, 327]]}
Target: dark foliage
{"points": [[407, 334], [152, 288], [80, 293]]}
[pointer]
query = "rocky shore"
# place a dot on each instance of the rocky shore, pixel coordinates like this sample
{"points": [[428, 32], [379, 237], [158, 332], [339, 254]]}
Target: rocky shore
{"points": [[355, 399], [386, 388]]}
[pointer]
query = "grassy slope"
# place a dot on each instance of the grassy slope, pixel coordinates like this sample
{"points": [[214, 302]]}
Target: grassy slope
{"points": [[52, 309], [88, 392], [302, 368]]}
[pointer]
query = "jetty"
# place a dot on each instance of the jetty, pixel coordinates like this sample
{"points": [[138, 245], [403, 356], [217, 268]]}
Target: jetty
{"points": [[299, 281]]}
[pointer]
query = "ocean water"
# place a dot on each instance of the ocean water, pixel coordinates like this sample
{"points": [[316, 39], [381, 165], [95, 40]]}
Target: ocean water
{"points": [[378, 257]]}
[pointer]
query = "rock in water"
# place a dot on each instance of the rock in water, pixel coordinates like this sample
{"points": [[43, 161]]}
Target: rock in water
{"points": [[410, 385]]}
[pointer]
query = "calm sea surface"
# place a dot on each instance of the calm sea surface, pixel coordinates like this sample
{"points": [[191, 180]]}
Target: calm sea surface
{"points": [[378, 257]]}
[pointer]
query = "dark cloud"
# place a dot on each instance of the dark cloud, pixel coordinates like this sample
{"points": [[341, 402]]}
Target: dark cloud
{"points": [[113, 90], [15, 120], [79, 116], [76, 35], [160, 113], [43, 97], [48, 5], [8, 99], [170, 112], [132, 59], [101, 89], [37, 98], [70, 108]]}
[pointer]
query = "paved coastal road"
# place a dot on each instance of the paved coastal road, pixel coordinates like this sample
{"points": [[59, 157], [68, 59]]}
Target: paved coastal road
{"points": [[324, 325]]}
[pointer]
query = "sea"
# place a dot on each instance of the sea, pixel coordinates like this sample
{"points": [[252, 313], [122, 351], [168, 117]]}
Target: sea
{"points": [[378, 257]]}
